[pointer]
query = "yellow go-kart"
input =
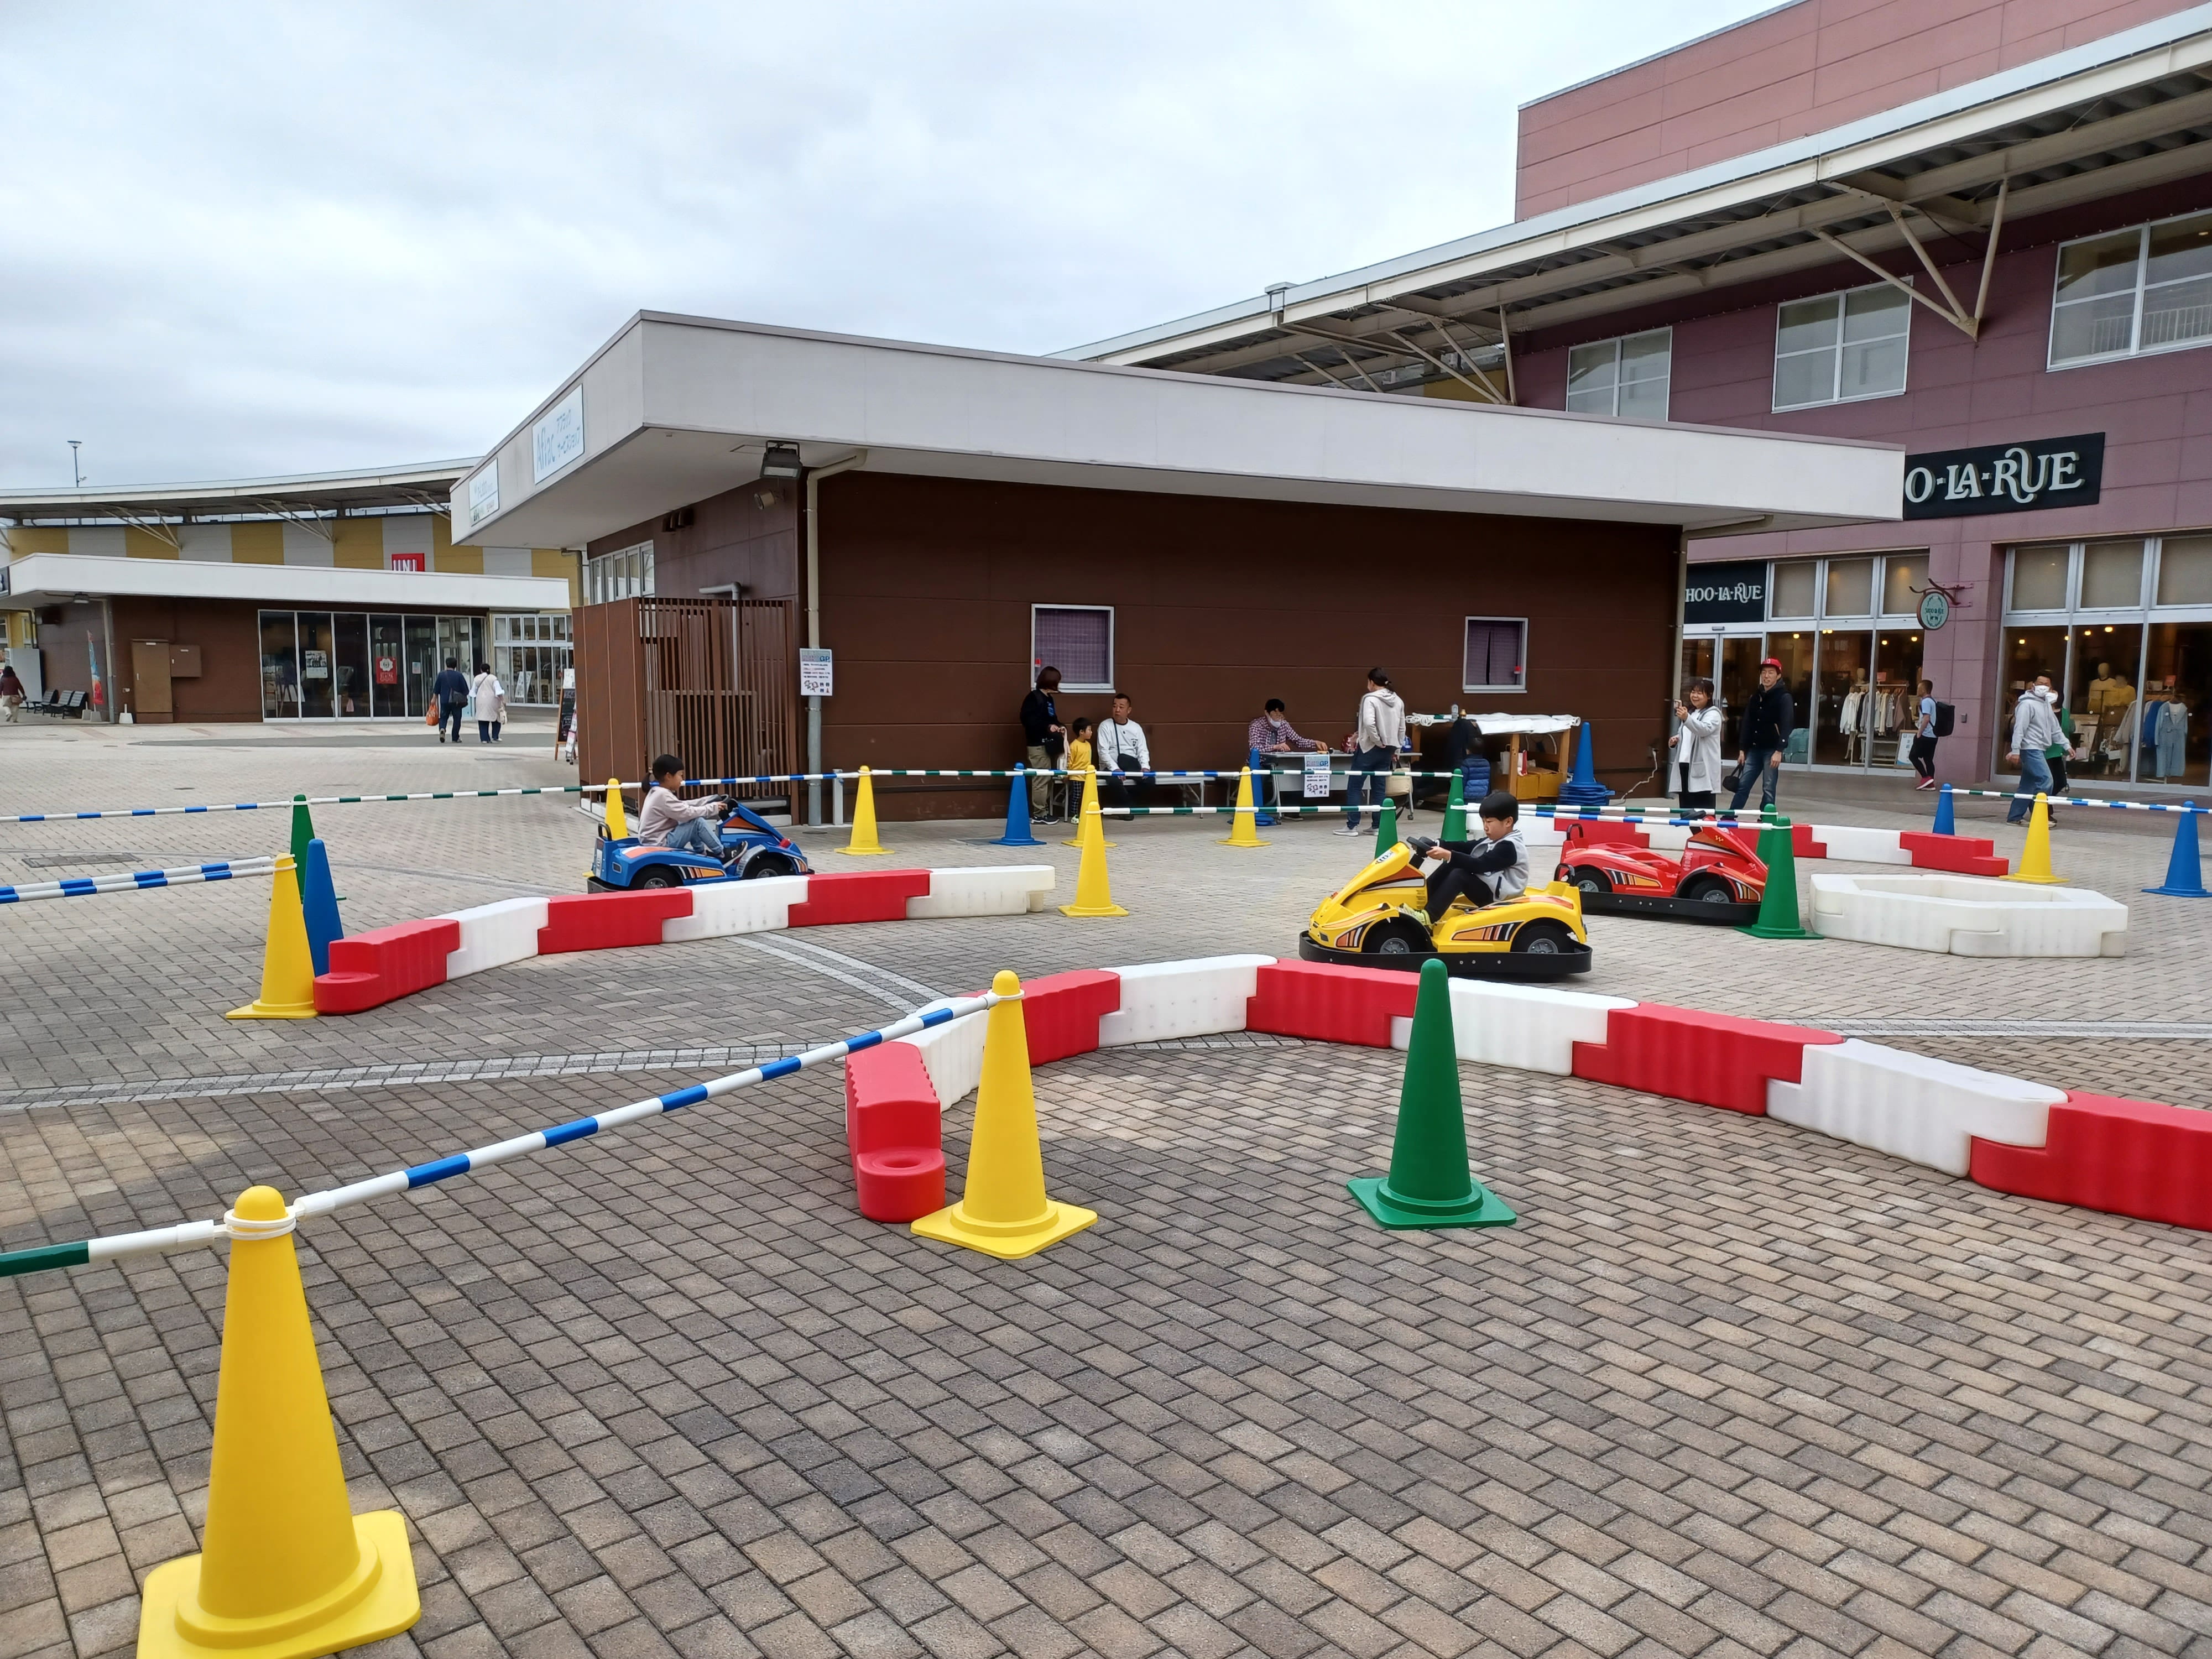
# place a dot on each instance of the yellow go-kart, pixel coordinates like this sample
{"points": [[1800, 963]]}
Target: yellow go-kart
{"points": [[1538, 936]]}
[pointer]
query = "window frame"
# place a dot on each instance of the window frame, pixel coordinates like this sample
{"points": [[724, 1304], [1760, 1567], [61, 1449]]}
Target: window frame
{"points": [[1618, 342], [1037, 664], [593, 577], [2052, 365], [1521, 623], [1842, 297]]}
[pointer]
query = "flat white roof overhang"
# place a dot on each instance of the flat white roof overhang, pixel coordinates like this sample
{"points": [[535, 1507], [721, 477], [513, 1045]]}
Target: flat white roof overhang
{"points": [[678, 409], [40, 579]]}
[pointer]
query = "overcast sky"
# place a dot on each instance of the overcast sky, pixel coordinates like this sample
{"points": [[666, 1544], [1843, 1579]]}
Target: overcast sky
{"points": [[238, 240]]}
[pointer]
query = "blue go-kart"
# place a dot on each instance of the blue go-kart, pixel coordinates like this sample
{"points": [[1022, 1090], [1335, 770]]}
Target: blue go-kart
{"points": [[750, 848]]}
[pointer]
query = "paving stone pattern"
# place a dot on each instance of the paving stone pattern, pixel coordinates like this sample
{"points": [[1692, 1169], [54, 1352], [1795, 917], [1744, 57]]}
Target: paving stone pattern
{"points": [[1728, 1387]]}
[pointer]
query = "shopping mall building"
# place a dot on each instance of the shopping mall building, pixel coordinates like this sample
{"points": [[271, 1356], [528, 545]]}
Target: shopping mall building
{"points": [[1980, 230], [332, 597]]}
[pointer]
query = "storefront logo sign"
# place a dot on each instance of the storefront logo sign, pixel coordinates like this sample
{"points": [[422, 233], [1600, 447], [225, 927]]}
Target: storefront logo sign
{"points": [[1934, 610], [484, 493], [1729, 593], [558, 437], [1950, 483]]}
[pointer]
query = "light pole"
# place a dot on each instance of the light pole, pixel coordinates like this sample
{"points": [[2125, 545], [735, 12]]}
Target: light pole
{"points": [[75, 444]]}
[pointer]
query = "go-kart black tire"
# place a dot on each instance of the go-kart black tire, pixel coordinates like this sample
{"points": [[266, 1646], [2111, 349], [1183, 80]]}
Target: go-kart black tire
{"points": [[1545, 939], [662, 876], [1396, 938], [769, 863], [1707, 889], [1589, 880]]}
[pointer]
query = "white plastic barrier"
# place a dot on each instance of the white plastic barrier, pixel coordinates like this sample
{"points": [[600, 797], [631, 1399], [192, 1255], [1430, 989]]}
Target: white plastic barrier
{"points": [[1969, 915], [1666, 837], [997, 889], [1859, 846], [720, 908], [1164, 999], [1926, 1110], [952, 1054], [1531, 1028], [493, 935]]}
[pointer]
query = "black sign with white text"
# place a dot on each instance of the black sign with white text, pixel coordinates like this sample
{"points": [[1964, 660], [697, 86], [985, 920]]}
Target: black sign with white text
{"points": [[1727, 592], [1950, 483]]}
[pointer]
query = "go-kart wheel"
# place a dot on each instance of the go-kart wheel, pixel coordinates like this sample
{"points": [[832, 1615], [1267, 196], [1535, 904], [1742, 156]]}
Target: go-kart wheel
{"points": [[769, 863], [1544, 939], [1589, 880], [1397, 937], [660, 877], [1706, 890]]}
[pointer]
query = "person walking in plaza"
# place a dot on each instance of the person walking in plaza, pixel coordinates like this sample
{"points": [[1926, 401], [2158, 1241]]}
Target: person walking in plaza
{"points": [[2062, 747], [1924, 737], [2033, 732], [1043, 738], [1769, 715], [1124, 757], [1375, 743], [12, 695], [1696, 744], [489, 698], [450, 692]]}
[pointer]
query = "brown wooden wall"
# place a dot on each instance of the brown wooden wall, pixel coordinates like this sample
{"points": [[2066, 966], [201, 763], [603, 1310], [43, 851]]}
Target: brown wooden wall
{"points": [[228, 635]]}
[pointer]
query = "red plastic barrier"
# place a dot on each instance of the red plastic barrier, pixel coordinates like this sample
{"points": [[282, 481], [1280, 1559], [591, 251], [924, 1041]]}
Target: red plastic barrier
{"points": [[1329, 1003], [2131, 1158], [375, 968], [1061, 1012], [604, 922], [1966, 855], [861, 895], [1713, 1059], [1802, 844], [895, 1132]]}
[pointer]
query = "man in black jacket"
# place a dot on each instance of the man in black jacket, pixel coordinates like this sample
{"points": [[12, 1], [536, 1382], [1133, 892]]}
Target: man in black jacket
{"points": [[1044, 739], [450, 691], [1767, 717]]}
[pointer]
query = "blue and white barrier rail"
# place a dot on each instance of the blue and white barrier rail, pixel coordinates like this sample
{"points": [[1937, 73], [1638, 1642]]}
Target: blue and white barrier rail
{"points": [[131, 881], [191, 1234], [2077, 801]]}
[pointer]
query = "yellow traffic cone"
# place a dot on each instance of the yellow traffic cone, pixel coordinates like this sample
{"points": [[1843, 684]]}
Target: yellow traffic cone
{"points": [[2035, 857], [288, 1570], [1094, 896], [1090, 805], [1003, 1211], [864, 844], [1244, 819], [617, 820], [287, 968]]}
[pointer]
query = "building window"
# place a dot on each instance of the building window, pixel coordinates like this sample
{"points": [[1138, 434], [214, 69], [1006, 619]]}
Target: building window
{"points": [[1076, 638], [1496, 657], [531, 652], [2142, 290], [1794, 587], [1841, 347], [1625, 376], [625, 574]]}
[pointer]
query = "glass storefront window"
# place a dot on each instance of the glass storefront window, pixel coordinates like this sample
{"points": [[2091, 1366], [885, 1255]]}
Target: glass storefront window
{"points": [[2028, 652], [2172, 732], [1793, 588], [1795, 652], [2184, 570], [280, 667], [1850, 587], [315, 649], [2111, 576], [1840, 715], [349, 667], [1902, 573], [2038, 577], [530, 654], [2105, 685], [423, 663], [1898, 655], [387, 679]]}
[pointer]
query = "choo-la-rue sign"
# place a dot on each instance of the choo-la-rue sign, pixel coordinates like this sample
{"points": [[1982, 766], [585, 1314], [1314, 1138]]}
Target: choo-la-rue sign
{"points": [[1949, 484]]}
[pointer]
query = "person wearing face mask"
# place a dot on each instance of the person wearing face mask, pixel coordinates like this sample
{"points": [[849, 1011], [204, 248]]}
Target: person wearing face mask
{"points": [[2033, 732]]}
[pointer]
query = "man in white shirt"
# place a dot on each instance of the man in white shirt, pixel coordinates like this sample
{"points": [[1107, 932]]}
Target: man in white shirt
{"points": [[1123, 756]]}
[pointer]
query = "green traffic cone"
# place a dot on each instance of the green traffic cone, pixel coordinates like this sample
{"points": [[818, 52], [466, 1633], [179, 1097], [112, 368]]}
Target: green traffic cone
{"points": [[1429, 1184], [1386, 827], [1777, 903], [1456, 811], [303, 831]]}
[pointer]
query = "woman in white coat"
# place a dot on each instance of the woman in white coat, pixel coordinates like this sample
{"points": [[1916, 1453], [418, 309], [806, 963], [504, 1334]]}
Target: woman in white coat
{"points": [[489, 699], [1697, 765]]}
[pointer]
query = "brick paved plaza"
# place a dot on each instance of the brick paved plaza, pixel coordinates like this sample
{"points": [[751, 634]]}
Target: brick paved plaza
{"points": [[1728, 1388]]}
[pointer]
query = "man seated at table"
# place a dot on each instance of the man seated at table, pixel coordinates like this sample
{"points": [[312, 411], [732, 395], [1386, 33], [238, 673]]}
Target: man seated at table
{"points": [[1123, 757]]}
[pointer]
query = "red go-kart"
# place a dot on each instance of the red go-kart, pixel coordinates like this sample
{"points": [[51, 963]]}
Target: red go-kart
{"points": [[1718, 878]]}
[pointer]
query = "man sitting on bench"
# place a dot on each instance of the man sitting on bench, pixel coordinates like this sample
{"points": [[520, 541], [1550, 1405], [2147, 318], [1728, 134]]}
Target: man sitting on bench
{"points": [[1492, 871]]}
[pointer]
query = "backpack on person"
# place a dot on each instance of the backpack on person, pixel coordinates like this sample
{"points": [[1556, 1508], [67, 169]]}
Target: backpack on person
{"points": [[1946, 714]]}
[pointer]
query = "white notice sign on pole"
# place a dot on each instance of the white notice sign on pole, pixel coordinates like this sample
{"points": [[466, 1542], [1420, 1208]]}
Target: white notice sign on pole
{"points": [[814, 670], [1317, 777]]}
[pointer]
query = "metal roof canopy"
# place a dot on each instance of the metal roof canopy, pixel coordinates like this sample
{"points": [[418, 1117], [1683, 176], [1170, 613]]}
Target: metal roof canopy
{"points": [[418, 489], [676, 409], [2128, 111]]}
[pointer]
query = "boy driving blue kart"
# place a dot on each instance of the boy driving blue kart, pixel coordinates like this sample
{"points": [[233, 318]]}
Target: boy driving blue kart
{"points": [[1492, 871], [686, 826]]}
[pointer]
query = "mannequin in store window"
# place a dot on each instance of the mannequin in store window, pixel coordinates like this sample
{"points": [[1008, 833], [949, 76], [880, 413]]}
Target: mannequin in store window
{"points": [[2166, 729]]}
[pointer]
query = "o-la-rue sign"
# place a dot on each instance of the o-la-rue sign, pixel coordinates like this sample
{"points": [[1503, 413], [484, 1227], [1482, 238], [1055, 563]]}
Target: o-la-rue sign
{"points": [[1949, 484]]}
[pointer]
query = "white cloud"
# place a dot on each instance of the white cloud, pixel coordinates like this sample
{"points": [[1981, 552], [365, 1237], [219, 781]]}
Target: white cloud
{"points": [[249, 240]]}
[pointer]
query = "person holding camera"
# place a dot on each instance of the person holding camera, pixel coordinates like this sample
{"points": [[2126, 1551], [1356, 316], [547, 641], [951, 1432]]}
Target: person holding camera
{"points": [[1696, 744]]}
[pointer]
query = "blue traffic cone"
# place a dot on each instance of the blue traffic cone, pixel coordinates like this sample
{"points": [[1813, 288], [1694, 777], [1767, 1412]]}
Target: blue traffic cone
{"points": [[1263, 789], [1945, 824], [1018, 814], [2184, 874], [1583, 789], [319, 899]]}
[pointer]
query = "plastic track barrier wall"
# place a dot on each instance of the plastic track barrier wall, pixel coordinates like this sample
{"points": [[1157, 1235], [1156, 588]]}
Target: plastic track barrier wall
{"points": [[1964, 855], [2127, 1157], [371, 968]]}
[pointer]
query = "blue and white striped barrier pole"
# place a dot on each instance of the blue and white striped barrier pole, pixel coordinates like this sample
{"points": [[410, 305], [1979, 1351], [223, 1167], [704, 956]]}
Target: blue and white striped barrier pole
{"points": [[133, 881], [2056, 801], [189, 1234]]}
